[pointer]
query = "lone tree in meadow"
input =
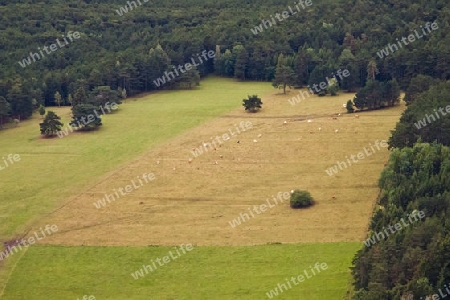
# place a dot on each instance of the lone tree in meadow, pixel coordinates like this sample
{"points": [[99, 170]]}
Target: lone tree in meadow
{"points": [[301, 199], [252, 104], [51, 124]]}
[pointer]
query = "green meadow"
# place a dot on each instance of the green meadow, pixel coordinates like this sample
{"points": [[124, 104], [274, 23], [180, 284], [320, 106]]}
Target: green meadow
{"points": [[58, 272], [51, 170]]}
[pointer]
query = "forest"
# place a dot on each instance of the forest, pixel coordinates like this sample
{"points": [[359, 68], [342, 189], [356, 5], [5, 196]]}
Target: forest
{"points": [[129, 52], [415, 264]]}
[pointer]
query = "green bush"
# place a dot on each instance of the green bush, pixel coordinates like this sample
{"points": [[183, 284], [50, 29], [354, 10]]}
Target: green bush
{"points": [[349, 107], [252, 104], [301, 199]]}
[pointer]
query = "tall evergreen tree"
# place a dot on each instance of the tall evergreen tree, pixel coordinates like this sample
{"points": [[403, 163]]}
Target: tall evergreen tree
{"points": [[51, 124], [284, 75]]}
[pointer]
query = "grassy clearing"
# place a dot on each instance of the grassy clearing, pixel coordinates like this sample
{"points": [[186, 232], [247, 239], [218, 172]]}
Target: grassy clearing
{"points": [[50, 171], [57, 272], [193, 202]]}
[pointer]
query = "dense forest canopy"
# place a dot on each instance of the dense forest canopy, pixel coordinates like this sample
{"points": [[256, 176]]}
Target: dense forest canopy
{"points": [[414, 261], [133, 50]]}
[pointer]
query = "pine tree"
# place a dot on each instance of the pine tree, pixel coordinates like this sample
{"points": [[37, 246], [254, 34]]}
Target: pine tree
{"points": [[284, 75], [51, 124]]}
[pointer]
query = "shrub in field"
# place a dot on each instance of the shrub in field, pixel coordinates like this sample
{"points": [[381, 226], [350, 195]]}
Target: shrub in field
{"points": [[349, 107], [252, 104], [301, 199]]}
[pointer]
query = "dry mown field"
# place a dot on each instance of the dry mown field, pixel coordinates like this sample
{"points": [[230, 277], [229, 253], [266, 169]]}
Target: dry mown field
{"points": [[193, 202]]}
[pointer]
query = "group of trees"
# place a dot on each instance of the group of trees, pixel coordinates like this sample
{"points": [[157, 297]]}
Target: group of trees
{"points": [[87, 109], [414, 262], [426, 118], [16, 105], [376, 95]]}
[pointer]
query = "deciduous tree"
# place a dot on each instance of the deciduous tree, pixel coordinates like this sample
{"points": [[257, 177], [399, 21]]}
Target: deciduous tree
{"points": [[58, 98]]}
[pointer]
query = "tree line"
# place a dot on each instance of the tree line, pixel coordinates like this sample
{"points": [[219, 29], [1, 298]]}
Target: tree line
{"points": [[415, 262], [134, 50]]}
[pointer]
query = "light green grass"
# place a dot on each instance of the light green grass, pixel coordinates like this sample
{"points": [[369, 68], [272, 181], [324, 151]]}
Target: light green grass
{"points": [[56, 272], [52, 170]]}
